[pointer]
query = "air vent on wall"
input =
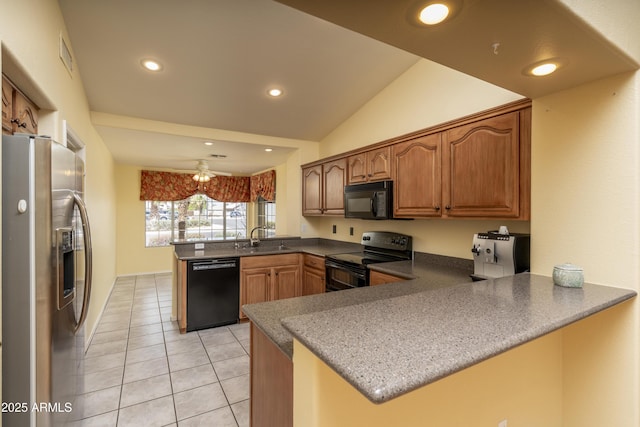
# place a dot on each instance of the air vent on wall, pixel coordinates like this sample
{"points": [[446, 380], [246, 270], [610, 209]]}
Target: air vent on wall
{"points": [[218, 156], [65, 55]]}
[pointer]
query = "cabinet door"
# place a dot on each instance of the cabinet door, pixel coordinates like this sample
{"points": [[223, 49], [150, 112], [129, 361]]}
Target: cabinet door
{"points": [[25, 114], [379, 278], [379, 164], [7, 106], [481, 168], [357, 168], [254, 286], [313, 281], [312, 190], [286, 283], [372, 165], [334, 180], [417, 175]]}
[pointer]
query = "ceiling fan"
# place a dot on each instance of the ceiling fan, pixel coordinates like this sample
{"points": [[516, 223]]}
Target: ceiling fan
{"points": [[201, 171], [203, 174]]}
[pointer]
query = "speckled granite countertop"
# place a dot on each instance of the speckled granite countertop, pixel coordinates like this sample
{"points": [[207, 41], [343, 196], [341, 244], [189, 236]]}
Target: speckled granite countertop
{"points": [[440, 331], [429, 272], [320, 247]]}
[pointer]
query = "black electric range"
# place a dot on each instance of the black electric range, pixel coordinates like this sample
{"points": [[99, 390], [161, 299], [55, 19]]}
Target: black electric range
{"points": [[349, 270]]}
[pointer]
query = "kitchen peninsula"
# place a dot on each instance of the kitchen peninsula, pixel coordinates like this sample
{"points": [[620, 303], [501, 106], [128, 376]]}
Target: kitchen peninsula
{"points": [[375, 354]]}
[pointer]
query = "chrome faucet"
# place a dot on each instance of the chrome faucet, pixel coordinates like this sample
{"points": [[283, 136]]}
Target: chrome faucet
{"points": [[236, 245], [256, 242]]}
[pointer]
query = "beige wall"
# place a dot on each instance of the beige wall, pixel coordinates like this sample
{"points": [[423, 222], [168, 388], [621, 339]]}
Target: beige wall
{"points": [[29, 35], [133, 257], [585, 195], [523, 386]]}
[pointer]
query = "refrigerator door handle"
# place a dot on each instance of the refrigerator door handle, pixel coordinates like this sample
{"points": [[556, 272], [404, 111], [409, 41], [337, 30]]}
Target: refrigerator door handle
{"points": [[88, 271]]}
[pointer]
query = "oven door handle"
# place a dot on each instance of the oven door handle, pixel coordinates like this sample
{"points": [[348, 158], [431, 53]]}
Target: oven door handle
{"points": [[358, 274]]}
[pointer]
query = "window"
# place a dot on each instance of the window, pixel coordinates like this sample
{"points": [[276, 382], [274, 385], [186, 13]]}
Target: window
{"points": [[203, 218], [267, 217]]}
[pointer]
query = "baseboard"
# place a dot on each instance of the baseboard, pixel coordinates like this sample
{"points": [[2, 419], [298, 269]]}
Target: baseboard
{"points": [[154, 273], [99, 318]]}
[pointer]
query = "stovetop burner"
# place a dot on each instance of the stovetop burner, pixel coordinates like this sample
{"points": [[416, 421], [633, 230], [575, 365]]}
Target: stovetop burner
{"points": [[378, 246], [363, 258]]}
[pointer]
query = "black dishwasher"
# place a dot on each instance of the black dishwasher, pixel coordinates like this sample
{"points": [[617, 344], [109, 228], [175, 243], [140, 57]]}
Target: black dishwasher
{"points": [[213, 292]]}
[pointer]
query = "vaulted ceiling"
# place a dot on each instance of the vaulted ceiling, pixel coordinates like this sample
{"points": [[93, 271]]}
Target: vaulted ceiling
{"points": [[220, 57]]}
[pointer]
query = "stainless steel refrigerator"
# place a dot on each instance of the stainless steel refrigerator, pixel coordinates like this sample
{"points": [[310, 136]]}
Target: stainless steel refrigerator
{"points": [[46, 282]]}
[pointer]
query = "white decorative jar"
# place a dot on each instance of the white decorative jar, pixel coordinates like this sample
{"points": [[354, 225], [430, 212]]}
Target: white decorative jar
{"points": [[568, 275]]}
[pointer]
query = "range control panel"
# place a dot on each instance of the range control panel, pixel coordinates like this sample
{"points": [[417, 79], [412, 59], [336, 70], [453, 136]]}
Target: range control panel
{"points": [[387, 240]]}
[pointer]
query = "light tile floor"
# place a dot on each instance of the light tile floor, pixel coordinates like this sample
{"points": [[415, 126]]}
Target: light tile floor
{"points": [[140, 371]]}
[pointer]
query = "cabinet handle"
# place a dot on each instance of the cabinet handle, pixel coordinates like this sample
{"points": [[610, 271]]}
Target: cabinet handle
{"points": [[437, 208], [370, 174], [447, 207], [20, 125]]}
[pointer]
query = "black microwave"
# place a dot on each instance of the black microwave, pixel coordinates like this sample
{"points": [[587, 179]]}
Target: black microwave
{"points": [[373, 200]]}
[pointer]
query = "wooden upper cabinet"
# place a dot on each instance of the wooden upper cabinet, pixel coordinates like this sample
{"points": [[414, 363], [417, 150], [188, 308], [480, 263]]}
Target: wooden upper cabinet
{"points": [[7, 106], [19, 114], [417, 177], [25, 115], [481, 168], [477, 166], [334, 180], [312, 190], [373, 165], [323, 188]]}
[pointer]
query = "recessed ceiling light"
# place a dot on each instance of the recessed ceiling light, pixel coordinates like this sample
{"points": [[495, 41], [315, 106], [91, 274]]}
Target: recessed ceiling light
{"points": [[151, 65], [208, 143], [544, 69], [275, 92], [434, 13], [268, 150]]}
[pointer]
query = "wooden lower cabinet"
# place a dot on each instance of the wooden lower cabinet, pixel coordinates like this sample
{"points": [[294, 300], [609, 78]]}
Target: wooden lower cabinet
{"points": [[269, 278], [313, 275], [271, 373], [379, 278], [181, 287]]}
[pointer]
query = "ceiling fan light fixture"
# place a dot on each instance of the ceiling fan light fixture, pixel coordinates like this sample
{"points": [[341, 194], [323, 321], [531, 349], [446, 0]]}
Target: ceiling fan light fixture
{"points": [[201, 177], [202, 174], [434, 13]]}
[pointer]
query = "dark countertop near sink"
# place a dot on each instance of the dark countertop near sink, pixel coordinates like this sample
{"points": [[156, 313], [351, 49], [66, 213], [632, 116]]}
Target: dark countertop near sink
{"points": [[315, 246]]}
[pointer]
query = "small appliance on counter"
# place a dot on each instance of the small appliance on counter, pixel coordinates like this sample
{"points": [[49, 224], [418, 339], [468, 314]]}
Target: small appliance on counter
{"points": [[499, 253]]}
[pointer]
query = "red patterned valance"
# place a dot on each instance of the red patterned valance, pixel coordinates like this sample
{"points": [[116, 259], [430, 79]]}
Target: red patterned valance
{"points": [[264, 185], [169, 186], [166, 186]]}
